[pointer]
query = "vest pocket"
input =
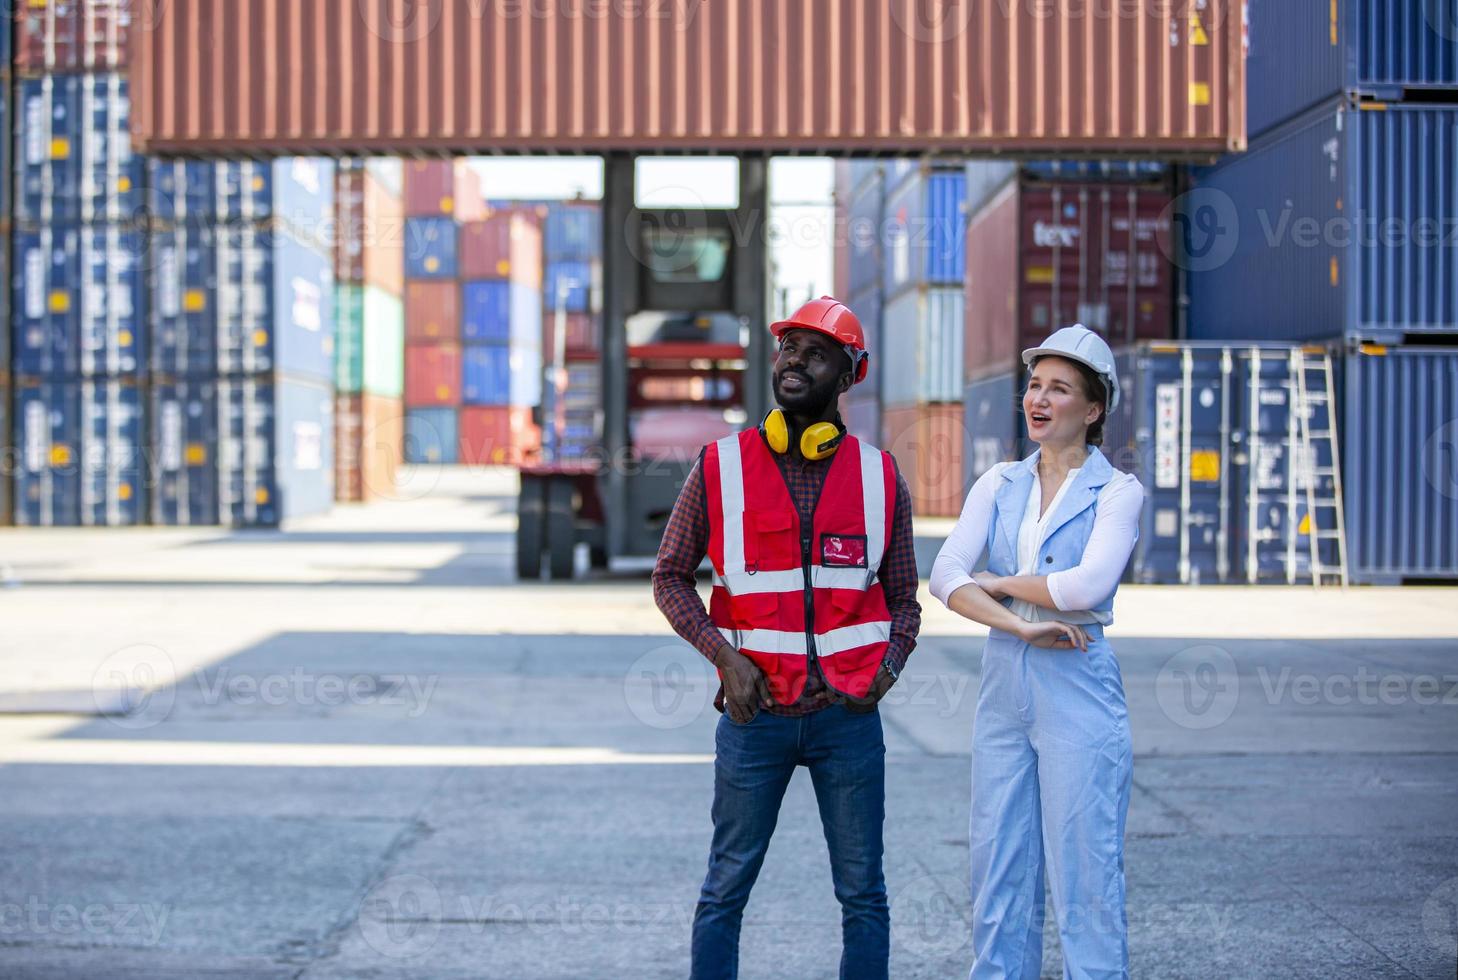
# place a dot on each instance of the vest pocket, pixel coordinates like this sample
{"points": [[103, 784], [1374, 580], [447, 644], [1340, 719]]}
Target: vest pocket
{"points": [[773, 544]]}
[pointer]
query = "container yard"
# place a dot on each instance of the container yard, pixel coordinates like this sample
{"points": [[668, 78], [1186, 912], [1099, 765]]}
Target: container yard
{"points": [[354, 363]]}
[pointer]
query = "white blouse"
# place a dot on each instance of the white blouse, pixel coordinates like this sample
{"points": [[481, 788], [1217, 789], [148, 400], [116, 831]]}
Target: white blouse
{"points": [[1074, 590]]}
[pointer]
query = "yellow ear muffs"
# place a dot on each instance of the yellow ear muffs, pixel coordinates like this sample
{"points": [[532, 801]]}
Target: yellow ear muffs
{"points": [[817, 442]]}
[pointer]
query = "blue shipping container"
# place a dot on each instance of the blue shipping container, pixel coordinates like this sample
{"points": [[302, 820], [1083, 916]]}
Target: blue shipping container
{"points": [[275, 304], [573, 232], [486, 374], [526, 376], [572, 280], [431, 435], [276, 451], [73, 144], [181, 190], [926, 231], [183, 453], [1094, 171], [1400, 463], [920, 355], [46, 302], [430, 248], [863, 235], [1305, 51], [1339, 225], [183, 301], [297, 191], [486, 315], [113, 301], [112, 478], [48, 440]]}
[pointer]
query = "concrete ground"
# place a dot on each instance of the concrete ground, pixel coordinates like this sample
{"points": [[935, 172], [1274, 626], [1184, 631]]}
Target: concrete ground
{"points": [[364, 751]]}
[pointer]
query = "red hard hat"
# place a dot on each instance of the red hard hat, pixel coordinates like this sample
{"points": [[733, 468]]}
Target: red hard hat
{"points": [[833, 318]]}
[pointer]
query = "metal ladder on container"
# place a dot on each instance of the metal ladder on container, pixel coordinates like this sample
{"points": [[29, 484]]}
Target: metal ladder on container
{"points": [[1314, 408]]}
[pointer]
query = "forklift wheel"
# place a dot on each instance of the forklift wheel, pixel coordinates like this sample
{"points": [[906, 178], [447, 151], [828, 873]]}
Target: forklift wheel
{"points": [[599, 556], [530, 520], [561, 528]]}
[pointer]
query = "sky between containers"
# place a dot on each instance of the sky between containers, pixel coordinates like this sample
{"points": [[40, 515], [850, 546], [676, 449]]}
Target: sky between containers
{"points": [[802, 221]]}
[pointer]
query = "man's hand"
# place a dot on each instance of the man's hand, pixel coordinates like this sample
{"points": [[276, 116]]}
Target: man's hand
{"points": [[745, 688], [991, 584], [879, 687]]}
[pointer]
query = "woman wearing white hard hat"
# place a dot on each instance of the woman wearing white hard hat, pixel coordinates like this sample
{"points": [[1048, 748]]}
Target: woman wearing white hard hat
{"points": [[1051, 756]]}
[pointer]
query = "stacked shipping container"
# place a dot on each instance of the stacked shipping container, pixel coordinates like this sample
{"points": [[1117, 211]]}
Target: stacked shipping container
{"points": [[9, 461], [79, 340], [571, 296], [1335, 230], [369, 375]]}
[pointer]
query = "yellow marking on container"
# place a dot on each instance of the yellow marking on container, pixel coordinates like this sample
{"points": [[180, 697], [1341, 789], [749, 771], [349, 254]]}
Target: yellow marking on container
{"points": [[260, 338], [442, 392], [196, 454], [1199, 93], [447, 205], [1333, 23], [124, 184], [1376, 350], [1335, 272], [260, 496], [1372, 106], [498, 455], [432, 264], [59, 301], [60, 454], [503, 268], [258, 183], [1205, 466], [60, 148], [195, 300], [1197, 31], [124, 338], [1305, 526], [1041, 274], [124, 491]]}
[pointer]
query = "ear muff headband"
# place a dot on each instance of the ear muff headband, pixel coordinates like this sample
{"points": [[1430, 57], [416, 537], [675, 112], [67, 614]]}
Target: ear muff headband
{"points": [[817, 442]]}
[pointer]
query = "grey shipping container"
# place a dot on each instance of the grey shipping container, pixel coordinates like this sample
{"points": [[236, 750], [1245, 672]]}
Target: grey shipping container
{"points": [[9, 454], [993, 416], [924, 231], [921, 346], [276, 450], [1338, 224]]}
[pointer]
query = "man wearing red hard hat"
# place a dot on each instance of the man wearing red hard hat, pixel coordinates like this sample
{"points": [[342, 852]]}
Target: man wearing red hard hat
{"points": [[812, 617]]}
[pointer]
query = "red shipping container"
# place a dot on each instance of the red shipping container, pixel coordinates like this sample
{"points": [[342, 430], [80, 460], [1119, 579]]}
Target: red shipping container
{"points": [[498, 436], [930, 443], [382, 438], [348, 423], [73, 35], [502, 245], [583, 335], [470, 198], [384, 237], [1086, 253], [432, 375], [430, 188], [432, 311]]}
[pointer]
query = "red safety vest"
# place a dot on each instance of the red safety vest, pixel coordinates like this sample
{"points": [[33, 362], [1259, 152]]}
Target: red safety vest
{"points": [[770, 578]]}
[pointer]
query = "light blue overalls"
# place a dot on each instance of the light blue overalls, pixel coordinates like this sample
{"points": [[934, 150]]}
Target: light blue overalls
{"points": [[1051, 767]]}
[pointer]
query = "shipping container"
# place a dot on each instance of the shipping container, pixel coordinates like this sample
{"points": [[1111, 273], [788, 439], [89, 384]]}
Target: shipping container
{"points": [[572, 285], [993, 414], [1084, 253], [113, 324], [276, 450], [432, 375], [431, 248], [381, 443], [183, 452], [46, 302], [297, 192], [1096, 171], [182, 191], [864, 237], [432, 311], [431, 435], [573, 231], [1170, 78], [182, 304], [582, 335], [924, 231], [369, 241], [503, 245], [526, 375], [487, 316], [384, 343], [350, 222], [986, 178], [1338, 224], [1303, 52], [48, 440], [73, 148], [72, 35], [113, 474], [10, 450], [348, 338], [275, 304], [348, 444], [921, 346], [486, 374], [929, 443], [389, 173], [1400, 463], [486, 436], [436, 188], [864, 400]]}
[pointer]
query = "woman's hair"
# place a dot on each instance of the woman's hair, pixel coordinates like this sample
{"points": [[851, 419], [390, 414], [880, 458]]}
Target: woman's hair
{"points": [[1093, 390]]}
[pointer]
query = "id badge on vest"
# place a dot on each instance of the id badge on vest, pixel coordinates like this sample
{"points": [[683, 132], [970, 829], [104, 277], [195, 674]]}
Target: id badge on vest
{"points": [[843, 550]]}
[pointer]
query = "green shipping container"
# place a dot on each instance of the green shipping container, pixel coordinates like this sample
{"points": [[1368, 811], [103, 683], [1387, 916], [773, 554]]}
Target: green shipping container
{"points": [[384, 343], [369, 346]]}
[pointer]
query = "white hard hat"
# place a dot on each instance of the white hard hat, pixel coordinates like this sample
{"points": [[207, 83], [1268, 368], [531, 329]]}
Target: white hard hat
{"points": [[1079, 343]]}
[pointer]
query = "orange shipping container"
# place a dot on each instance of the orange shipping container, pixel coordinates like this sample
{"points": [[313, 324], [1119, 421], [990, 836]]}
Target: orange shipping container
{"points": [[382, 437], [930, 443], [338, 76], [432, 311], [384, 245]]}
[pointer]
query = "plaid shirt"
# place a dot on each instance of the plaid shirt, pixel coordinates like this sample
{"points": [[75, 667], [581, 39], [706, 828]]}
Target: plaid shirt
{"points": [[686, 542]]}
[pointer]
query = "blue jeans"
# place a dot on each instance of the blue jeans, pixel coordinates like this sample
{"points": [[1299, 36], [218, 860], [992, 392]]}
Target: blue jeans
{"points": [[846, 755]]}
